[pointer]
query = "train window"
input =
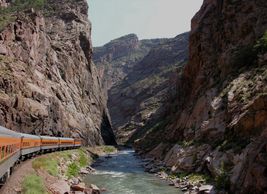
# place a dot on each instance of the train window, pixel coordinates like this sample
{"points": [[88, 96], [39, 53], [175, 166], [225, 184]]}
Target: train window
{"points": [[3, 152]]}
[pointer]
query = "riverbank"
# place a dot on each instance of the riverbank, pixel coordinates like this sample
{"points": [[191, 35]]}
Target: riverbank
{"points": [[56, 173], [189, 183]]}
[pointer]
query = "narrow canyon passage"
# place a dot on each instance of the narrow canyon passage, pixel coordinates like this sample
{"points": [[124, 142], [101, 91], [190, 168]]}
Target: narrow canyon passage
{"points": [[123, 173]]}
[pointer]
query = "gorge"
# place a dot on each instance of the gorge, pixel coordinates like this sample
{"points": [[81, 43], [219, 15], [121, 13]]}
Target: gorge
{"points": [[194, 105]]}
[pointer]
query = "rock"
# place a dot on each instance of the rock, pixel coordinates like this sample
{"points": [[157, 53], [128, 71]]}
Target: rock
{"points": [[60, 187], [74, 181], [79, 187], [84, 171], [90, 169], [162, 175], [88, 191], [18, 190], [184, 189], [3, 50], [206, 189], [78, 192], [95, 189]]}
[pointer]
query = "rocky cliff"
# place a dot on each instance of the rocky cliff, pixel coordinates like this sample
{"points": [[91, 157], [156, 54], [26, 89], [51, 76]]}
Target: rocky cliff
{"points": [[117, 58], [219, 126], [48, 82], [139, 73]]}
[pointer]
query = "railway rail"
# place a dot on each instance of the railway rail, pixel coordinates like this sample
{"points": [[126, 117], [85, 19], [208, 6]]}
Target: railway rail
{"points": [[15, 147]]}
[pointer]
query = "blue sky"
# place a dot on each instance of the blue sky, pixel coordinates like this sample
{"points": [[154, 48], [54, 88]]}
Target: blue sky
{"points": [[146, 18]]}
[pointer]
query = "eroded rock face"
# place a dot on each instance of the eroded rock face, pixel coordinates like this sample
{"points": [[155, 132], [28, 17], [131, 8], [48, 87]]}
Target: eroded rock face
{"points": [[221, 96], [48, 83], [147, 77]]}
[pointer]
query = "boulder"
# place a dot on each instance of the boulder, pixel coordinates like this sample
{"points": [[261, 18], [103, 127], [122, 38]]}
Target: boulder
{"points": [[74, 181], [84, 171], [206, 189], [95, 189], [3, 50], [79, 187], [60, 187]]}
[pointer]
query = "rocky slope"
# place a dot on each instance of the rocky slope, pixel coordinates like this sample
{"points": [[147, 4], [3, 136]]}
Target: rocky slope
{"points": [[219, 126], [139, 74], [48, 83], [117, 58]]}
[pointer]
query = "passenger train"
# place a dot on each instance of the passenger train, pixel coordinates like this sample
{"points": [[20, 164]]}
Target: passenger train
{"points": [[15, 147]]}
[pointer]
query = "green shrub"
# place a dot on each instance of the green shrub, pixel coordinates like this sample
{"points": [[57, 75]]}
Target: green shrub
{"points": [[46, 163], [33, 184], [196, 177], [73, 170], [109, 149], [83, 159], [261, 45]]}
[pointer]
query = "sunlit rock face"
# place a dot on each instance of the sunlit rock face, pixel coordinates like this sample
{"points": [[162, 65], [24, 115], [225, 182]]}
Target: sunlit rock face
{"points": [[140, 75], [221, 98], [49, 84]]}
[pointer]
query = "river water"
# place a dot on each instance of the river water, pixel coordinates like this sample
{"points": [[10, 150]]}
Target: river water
{"points": [[123, 174]]}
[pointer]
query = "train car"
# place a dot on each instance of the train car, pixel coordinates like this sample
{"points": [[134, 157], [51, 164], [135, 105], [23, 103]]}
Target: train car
{"points": [[49, 143], [10, 143], [77, 143], [66, 143], [30, 144]]}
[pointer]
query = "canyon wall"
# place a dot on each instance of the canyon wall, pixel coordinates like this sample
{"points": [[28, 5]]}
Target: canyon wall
{"points": [[48, 82], [220, 121]]}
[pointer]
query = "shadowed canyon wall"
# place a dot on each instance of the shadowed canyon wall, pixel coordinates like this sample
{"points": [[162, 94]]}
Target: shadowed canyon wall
{"points": [[220, 122]]}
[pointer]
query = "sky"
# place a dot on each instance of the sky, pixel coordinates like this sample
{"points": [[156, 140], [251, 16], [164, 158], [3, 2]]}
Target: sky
{"points": [[147, 18]]}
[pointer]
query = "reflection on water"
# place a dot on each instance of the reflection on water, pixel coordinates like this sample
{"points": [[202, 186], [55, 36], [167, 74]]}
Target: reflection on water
{"points": [[123, 174]]}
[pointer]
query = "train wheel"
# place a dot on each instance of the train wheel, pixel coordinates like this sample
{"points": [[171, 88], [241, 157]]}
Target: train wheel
{"points": [[11, 171]]}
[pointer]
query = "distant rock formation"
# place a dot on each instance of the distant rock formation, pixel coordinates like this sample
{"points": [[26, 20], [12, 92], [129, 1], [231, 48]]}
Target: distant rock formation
{"points": [[139, 74], [116, 59]]}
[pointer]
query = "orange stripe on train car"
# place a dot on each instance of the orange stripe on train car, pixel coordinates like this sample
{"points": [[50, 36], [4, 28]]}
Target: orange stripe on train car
{"points": [[8, 147], [30, 143]]}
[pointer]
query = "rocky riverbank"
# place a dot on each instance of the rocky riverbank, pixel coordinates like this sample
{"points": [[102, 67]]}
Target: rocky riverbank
{"points": [[57, 173], [188, 183]]}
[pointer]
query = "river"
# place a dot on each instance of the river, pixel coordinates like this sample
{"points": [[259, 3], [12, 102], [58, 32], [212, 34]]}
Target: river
{"points": [[123, 174]]}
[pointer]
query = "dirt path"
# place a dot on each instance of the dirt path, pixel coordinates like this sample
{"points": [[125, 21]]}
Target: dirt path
{"points": [[13, 184]]}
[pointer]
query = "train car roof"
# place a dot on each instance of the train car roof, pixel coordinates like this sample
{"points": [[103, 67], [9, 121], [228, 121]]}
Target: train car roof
{"points": [[65, 138], [29, 136], [7, 132], [49, 137]]}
